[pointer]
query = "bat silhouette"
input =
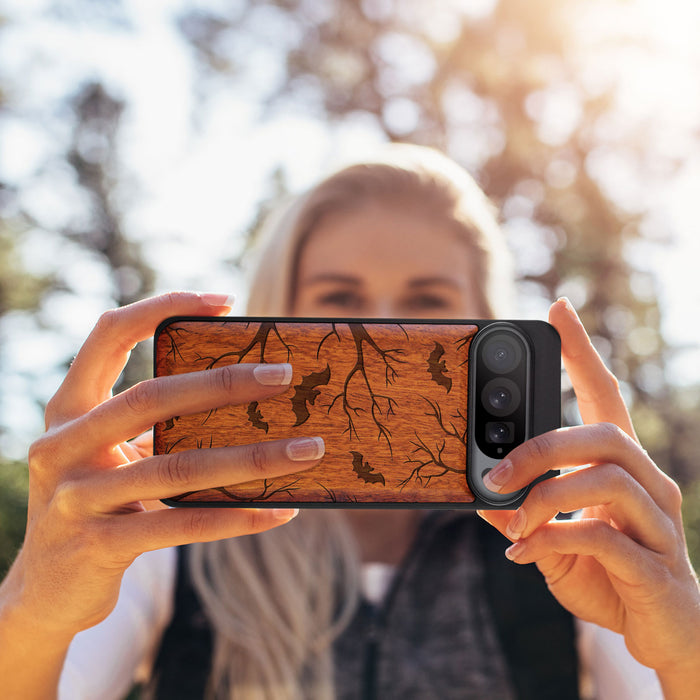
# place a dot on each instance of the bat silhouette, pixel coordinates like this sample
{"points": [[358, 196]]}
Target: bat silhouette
{"points": [[437, 367], [170, 423], [306, 393], [256, 417], [364, 471]]}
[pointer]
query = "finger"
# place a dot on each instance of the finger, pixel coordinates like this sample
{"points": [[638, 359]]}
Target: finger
{"points": [[143, 444], [138, 448], [618, 554], [140, 407], [131, 452], [102, 357], [497, 518], [166, 476], [579, 445], [596, 388], [606, 486], [156, 529]]}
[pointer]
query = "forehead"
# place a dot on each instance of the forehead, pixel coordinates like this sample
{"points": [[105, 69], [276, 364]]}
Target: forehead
{"points": [[383, 237]]}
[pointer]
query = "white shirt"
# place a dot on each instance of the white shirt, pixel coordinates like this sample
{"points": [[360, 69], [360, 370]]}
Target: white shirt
{"points": [[104, 661]]}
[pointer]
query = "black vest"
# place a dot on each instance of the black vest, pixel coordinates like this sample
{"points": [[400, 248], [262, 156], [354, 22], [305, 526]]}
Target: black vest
{"points": [[414, 646]]}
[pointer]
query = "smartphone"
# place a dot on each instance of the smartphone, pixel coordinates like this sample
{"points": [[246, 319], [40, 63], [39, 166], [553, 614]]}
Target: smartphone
{"points": [[413, 413]]}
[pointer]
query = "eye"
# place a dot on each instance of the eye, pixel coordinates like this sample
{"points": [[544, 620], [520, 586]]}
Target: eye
{"points": [[341, 299], [427, 302]]}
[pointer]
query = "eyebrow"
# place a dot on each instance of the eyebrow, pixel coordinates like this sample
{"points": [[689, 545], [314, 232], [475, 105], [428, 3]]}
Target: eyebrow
{"points": [[350, 280], [333, 277], [433, 281]]}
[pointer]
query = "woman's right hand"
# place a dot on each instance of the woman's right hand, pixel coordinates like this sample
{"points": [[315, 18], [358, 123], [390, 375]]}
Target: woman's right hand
{"points": [[87, 517]]}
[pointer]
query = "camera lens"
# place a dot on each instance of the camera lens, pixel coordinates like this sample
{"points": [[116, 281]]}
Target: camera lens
{"points": [[502, 353], [499, 432], [500, 396]]}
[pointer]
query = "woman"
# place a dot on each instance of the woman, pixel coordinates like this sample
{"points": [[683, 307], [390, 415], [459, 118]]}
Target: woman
{"points": [[412, 236]]}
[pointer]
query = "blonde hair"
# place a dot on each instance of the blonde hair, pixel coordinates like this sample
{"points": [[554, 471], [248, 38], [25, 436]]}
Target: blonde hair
{"points": [[416, 176], [277, 600]]}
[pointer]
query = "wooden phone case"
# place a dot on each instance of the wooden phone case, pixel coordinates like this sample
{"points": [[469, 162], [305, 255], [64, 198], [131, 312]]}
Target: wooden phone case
{"points": [[390, 399]]}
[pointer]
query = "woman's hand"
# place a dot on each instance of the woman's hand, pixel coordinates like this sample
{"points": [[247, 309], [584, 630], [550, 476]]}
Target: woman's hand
{"points": [[87, 518], [624, 563]]}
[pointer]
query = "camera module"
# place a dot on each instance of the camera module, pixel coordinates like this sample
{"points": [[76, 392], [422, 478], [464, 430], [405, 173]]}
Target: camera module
{"points": [[500, 390], [506, 357]]}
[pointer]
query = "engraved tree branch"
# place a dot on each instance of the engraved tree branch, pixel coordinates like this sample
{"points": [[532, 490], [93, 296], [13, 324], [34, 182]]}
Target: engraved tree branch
{"points": [[451, 431], [173, 333], [333, 332], [333, 497], [259, 339], [430, 462], [381, 405], [266, 494], [461, 342]]}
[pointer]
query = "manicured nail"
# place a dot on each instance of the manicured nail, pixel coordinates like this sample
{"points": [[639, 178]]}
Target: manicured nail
{"points": [[499, 476], [285, 514], [569, 306], [515, 550], [517, 525], [304, 449], [273, 375], [218, 299]]}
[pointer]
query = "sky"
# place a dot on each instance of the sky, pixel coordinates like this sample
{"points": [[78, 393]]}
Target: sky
{"points": [[187, 184]]}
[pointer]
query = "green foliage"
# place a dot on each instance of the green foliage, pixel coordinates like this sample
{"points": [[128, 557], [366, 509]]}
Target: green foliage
{"points": [[18, 289], [14, 483], [691, 521]]}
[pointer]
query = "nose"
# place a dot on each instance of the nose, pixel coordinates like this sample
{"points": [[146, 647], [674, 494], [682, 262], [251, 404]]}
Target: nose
{"points": [[383, 308]]}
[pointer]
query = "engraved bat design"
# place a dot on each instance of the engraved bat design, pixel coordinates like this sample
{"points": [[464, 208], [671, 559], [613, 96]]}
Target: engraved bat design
{"points": [[437, 367], [255, 417], [364, 471], [170, 423], [306, 393]]}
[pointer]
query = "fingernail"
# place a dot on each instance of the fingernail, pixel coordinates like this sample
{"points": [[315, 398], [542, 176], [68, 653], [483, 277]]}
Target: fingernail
{"points": [[499, 476], [569, 306], [218, 299], [515, 550], [303, 449], [273, 375], [517, 525], [285, 514]]}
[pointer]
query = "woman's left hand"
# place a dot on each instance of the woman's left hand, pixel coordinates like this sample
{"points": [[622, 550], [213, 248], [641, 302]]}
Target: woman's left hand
{"points": [[624, 563]]}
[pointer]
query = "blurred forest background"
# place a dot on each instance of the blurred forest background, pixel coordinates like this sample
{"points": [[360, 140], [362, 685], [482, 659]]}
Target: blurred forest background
{"points": [[580, 119]]}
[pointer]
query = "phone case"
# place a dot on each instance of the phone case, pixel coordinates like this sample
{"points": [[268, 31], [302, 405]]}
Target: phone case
{"points": [[390, 398]]}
